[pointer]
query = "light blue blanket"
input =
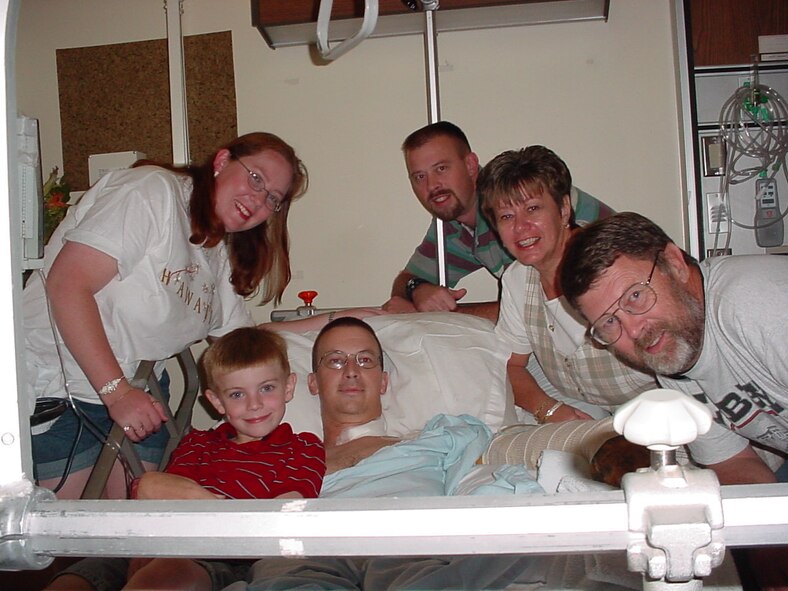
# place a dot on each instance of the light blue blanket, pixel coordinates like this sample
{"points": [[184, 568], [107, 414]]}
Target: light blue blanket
{"points": [[433, 464]]}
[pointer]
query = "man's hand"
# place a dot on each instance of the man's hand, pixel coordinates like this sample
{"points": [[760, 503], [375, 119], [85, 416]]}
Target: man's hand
{"points": [[434, 298]]}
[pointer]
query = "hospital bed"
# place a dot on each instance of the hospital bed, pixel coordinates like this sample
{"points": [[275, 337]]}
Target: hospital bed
{"points": [[442, 363], [34, 526]]}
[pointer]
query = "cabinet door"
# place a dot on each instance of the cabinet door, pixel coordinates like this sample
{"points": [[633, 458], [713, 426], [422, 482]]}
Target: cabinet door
{"points": [[725, 32], [291, 22]]}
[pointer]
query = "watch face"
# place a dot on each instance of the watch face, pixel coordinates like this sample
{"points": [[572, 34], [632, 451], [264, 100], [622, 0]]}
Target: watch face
{"points": [[412, 284]]}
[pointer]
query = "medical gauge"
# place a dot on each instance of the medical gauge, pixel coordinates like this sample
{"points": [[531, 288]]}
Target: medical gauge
{"points": [[769, 225]]}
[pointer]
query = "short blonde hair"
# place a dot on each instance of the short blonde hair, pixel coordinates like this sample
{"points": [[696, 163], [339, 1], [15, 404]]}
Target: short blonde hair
{"points": [[239, 349]]}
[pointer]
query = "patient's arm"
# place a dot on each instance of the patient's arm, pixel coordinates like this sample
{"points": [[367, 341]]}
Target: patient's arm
{"points": [[318, 321], [160, 485], [488, 310], [399, 305], [530, 397], [351, 453]]}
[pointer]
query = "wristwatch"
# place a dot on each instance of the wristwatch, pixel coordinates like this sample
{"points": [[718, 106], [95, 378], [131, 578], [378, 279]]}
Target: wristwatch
{"points": [[412, 284]]}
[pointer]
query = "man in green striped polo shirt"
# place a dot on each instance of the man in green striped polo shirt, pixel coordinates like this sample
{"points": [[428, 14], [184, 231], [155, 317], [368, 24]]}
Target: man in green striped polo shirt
{"points": [[442, 170]]}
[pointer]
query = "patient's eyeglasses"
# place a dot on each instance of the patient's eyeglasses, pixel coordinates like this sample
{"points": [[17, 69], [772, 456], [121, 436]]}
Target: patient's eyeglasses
{"points": [[339, 359], [636, 300], [257, 184]]}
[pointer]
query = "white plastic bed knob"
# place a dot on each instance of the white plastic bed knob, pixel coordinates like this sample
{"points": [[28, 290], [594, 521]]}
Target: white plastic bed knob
{"points": [[662, 419]]}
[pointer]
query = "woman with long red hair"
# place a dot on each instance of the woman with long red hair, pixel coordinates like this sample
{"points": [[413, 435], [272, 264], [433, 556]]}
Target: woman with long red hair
{"points": [[151, 260]]}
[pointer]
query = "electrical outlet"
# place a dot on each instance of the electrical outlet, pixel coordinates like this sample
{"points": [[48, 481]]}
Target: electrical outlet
{"points": [[717, 214]]}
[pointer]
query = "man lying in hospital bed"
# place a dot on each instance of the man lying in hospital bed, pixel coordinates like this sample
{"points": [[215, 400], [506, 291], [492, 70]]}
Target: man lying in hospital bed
{"points": [[445, 371], [435, 363]]}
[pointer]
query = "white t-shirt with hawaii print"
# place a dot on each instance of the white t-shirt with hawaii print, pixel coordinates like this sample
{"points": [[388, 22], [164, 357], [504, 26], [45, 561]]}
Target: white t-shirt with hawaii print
{"points": [[168, 293]]}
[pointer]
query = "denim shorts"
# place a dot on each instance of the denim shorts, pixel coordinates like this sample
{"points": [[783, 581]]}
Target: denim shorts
{"points": [[782, 472], [110, 574], [52, 449]]}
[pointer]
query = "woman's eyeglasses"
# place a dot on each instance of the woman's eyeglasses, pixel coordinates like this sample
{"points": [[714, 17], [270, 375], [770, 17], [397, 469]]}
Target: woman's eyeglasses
{"points": [[256, 183]]}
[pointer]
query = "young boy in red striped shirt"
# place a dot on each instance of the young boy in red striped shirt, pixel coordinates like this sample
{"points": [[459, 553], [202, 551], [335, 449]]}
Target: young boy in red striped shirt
{"points": [[251, 455]]}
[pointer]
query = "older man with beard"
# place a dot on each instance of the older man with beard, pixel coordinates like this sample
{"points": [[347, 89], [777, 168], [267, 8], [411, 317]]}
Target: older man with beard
{"points": [[716, 330], [713, 330]]}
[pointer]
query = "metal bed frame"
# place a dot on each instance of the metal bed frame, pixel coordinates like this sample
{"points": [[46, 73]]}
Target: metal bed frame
{"points": [[678, 545]]}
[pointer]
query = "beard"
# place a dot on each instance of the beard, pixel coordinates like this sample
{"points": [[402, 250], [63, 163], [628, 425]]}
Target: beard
{"points": [[449, 210], [684, 331]]}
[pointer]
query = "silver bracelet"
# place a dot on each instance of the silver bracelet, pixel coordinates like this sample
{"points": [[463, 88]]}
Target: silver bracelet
{"points": [[110, 386], [551, 411]]}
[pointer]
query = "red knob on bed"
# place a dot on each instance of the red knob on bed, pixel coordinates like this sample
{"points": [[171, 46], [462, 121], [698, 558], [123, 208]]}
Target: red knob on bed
{"points": [[307, 296]]}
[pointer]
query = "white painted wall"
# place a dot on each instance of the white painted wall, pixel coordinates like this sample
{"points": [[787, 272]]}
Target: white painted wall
{"points": [[602, 95]]}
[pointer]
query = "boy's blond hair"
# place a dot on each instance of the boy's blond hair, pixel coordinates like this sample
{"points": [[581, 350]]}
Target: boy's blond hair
{"points": [[239, 349]]}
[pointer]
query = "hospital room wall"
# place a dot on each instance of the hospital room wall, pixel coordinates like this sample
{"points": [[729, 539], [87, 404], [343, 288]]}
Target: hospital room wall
{"points": [[602, 95]]}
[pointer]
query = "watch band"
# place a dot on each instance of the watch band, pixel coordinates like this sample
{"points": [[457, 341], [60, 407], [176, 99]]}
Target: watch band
{"points": [[411, 285]]}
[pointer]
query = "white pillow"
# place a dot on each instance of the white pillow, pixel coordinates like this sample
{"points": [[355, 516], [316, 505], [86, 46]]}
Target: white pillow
{"points": [[437, 362]]}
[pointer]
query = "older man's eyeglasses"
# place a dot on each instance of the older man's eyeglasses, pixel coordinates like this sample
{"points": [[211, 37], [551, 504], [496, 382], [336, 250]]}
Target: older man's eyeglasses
{"points": [[256, 183], [636, 300], [339, 359]]}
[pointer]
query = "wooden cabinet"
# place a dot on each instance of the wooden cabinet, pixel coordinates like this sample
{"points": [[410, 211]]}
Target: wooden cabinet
{"points": [[725, 32], [292, 22], [290, 12]]}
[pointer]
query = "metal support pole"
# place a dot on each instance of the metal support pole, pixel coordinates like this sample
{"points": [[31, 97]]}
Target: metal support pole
{"points": [[178, 107], [433, 103], [431, 65]]}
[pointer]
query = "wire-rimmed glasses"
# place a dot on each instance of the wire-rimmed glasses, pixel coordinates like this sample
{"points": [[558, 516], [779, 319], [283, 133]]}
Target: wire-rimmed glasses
{"points": [[637, 299], [339, 359], [256, 183]]}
